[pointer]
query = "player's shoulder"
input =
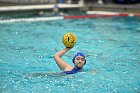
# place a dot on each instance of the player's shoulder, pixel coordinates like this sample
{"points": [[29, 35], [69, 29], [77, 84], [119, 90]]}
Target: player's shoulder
{"points": [[68, 68]]}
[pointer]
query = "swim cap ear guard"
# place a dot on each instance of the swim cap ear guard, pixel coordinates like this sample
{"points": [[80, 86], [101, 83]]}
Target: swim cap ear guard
{"points": [[79, 54]]}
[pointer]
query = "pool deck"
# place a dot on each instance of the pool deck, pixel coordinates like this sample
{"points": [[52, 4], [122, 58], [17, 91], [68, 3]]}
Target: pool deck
{"points": [[126, 8], [93, 11], [105, 7], [131, 8], [38, 7]]}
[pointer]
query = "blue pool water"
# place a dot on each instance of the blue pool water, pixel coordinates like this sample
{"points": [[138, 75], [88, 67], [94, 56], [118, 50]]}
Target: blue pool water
{"points": [[111, 45]]}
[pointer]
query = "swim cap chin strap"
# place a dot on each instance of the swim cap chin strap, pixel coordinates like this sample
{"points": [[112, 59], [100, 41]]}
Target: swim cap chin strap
{"points": [[79, 54]]}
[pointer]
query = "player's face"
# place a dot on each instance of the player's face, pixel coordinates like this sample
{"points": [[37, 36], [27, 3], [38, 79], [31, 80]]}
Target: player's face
{"points": [[79, 61]]}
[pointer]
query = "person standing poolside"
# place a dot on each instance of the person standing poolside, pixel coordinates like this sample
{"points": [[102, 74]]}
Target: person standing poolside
{"points": [[55, 10], [78, 60]]}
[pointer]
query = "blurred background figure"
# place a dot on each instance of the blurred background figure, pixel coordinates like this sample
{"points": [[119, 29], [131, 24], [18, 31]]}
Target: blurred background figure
{"points": [[127, 1], [60, 1], [55, 10], [100, 1], [81, 2], [52, 1], [69, 1], [41, 13]]}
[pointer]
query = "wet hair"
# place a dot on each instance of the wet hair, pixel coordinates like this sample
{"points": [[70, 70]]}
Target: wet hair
{"points": [[79, 54]]}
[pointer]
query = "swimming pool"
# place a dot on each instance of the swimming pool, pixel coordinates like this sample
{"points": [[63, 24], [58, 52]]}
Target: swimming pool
{"points": [[111, 45]]}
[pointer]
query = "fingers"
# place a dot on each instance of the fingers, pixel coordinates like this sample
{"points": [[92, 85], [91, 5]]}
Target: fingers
{"points": [[68, 48]]}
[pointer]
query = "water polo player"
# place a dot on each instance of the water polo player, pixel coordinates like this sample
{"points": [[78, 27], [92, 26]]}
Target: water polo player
{"points": [[69, 40], [78, 60]]}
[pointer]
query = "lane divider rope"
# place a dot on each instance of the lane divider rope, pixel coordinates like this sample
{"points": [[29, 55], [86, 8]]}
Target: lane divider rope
{"points": [[90, 14]]}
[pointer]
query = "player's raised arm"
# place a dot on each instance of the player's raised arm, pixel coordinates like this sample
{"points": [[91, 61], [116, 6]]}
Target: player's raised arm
{"points": [[69, 40], [60, 62]]}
